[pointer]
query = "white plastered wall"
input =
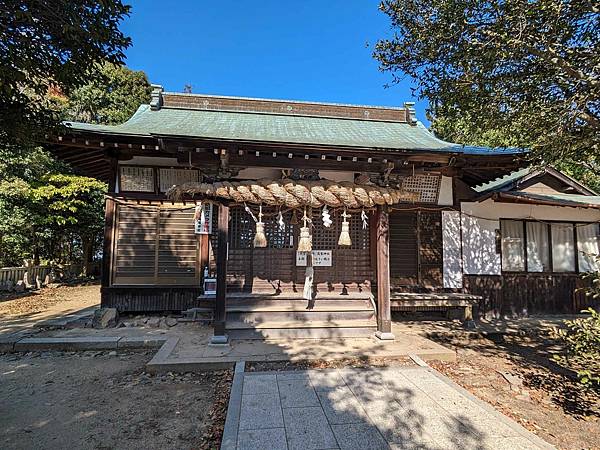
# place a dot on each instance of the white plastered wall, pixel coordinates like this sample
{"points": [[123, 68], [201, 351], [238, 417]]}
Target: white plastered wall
{"points": [[446, 196], [480, 221], [452, 250]]}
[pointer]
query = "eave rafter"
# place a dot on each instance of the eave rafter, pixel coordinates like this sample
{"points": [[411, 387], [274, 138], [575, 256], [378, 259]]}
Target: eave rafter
{"points": [[84, 150]]}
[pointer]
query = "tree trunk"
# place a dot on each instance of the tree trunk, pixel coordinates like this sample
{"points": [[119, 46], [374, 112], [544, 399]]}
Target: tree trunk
{"points": [[87, 244]]}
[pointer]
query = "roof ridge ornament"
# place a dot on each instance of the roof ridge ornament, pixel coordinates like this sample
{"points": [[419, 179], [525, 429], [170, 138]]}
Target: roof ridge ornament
{"points": [[156, 100], [411, 117]]}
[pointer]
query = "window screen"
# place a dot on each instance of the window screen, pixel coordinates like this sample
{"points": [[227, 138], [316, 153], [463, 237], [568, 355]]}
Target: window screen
{"points": [[588, 246], [538, 249], [513, 249], [563, 247]]}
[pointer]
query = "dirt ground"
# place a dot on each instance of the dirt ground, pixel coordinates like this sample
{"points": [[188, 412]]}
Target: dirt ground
{"points": [[44, 299], [103, 400], [517, 377]]}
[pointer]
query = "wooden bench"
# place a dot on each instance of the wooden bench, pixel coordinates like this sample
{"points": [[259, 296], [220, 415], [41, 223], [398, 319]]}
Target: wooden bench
{"points": [[430, 301]]}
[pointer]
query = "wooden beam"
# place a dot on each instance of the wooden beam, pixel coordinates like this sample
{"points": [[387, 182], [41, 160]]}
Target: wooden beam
{"points": [[384, 314], [282, 161], [223, 238]]}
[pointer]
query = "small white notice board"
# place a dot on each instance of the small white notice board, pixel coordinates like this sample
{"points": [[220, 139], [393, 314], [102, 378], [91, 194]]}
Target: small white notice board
{"points": [[320, 258]]}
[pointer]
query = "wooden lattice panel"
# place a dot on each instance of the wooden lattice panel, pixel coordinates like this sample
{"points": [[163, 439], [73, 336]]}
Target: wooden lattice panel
{"points": [[242, 229], [171, 177], [155, 246], [427, 186], [137, 179]]}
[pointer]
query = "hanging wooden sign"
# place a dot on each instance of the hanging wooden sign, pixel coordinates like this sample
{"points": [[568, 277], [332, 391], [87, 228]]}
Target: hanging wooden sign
{"points": [[320, 258], [203, 225]]}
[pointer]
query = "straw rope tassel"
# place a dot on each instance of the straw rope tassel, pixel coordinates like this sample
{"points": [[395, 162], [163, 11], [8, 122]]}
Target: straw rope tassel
{"points": [[260, 240], [345, 234], [305, 242]]}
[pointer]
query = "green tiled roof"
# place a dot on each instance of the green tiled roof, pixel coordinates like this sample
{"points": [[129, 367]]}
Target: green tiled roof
{"points": [[499, 183], [279, 128], [589, 201]]}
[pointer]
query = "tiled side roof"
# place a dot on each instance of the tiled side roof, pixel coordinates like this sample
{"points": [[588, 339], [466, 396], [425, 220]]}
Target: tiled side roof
{"points": [[499, 183], [575, 200]]}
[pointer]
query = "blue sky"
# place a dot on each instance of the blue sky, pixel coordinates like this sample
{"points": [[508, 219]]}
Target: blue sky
{"points": [[302, 50]]}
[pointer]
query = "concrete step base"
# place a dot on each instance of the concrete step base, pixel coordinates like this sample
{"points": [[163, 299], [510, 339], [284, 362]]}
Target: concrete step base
{"points": [[257, 317], [302, 330]]}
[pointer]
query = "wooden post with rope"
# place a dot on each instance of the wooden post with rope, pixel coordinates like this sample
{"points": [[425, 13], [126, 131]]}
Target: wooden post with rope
{"points": [[220, 337]]}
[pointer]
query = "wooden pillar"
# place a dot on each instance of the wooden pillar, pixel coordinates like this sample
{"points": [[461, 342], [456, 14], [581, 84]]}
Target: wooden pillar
{"points": [[223, 239], [110, 209], [384, 313], [110, 225], [203, 255]]}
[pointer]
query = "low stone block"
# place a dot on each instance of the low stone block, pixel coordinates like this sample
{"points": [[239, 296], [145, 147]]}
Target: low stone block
{"points": [[71, 343], [142, 342], [7, 345]]}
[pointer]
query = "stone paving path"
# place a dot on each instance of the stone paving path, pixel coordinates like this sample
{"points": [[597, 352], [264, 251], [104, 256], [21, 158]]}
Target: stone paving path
{"points": [[397, 408]]}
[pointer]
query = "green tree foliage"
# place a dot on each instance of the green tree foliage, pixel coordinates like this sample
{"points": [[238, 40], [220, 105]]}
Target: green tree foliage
{"points": [[504, 72], [48, 46], [47, 213], [581, 338], [111, 98]]}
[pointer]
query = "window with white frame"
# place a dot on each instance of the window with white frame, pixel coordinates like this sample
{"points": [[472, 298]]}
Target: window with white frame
{"points": [[532, 246]]}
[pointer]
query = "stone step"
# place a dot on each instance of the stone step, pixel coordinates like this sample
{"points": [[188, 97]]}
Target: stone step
{"points": [[275, 315], [287, 304], [305, 330]]}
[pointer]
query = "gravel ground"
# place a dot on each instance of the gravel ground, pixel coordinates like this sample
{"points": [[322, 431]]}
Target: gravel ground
{"points": [[37, 301], [517, 377], [105, 400]]}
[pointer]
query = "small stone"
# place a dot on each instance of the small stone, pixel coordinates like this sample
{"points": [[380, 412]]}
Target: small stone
{"points": [[153, 322], [112, 353], [105, 318], [170, 321]]}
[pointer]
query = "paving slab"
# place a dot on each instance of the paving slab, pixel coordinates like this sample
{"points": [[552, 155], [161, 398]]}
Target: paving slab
{"points": [[359, 436], [270, 438], [260, 411], [377, 408], [297, 393], [260, 384], [341, 406], [307, 428]]}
